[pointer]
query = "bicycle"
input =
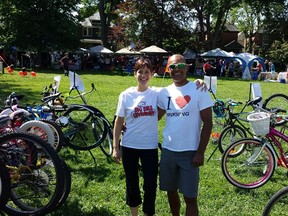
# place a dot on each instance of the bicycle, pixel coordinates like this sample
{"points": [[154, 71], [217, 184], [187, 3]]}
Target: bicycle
{"points": [[5, 185], [277, 204], [39, 178], [232, 127], [17, 120], [277, 102], [254, 165], [84, 127], [235, 128]]}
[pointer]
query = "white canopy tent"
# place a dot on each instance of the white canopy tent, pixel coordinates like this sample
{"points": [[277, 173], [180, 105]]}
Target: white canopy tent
{"points": [[153, 50], [127, 51], [217, 53], [100, 50]]}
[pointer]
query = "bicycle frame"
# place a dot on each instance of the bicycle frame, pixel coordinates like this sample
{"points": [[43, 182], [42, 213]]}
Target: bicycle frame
{"points": [[271, 136]]}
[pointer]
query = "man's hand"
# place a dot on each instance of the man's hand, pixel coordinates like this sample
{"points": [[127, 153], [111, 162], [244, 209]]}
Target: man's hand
{"points": [[198, 159]]}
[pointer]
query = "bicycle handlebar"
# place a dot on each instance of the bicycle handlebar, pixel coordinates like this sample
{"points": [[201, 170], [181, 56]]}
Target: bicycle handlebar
{"points": [[84, 93]]}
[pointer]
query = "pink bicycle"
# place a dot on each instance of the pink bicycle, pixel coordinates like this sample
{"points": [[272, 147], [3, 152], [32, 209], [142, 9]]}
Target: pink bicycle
{"points": [[258, 157]]}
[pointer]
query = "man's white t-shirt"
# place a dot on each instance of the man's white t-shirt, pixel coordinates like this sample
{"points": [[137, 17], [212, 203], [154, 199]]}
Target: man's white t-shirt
{"points": [[140, 111], [183, 121]]}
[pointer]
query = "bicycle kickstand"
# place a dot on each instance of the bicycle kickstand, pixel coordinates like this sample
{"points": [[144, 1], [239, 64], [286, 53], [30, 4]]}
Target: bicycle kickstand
{"points": [[94, 159], [213, 152]]}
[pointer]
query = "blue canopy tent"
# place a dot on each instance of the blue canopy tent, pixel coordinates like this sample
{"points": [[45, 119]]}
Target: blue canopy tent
{"points": [[247, 60]]}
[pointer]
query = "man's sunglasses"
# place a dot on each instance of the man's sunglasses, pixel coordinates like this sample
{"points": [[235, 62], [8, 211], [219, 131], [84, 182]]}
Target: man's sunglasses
{"points": [[175, 66]]}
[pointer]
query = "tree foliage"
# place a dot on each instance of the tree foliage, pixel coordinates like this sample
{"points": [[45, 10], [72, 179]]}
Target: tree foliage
{"points": [[40, 25], [107, 16], [153, 23], [279, 53]]}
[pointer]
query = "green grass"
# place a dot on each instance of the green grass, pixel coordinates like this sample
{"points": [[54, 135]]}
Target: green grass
{"points": [[99, 189]]}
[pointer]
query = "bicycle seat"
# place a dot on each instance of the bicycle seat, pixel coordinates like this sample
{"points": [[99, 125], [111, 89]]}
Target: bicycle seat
{"points": [[51, 97], [255, 101]]}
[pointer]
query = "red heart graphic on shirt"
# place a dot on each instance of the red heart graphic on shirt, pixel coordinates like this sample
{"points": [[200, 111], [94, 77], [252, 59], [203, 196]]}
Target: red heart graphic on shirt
{"points": [[182, 101]]}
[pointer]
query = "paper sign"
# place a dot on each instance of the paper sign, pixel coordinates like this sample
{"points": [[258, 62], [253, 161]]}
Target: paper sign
{"points": [[75, 81], [211, 82]]}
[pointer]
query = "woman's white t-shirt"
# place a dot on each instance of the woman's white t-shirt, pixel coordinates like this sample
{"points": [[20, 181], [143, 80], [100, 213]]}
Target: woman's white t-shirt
{"points": [[140, 111]]}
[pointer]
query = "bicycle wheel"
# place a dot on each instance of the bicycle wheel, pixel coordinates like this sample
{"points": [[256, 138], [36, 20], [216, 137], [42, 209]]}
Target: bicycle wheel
{"points": [[277, 204], [40, 129], [250, 169], [36, 174], [66, 188], [229, 135], [107, 144], [277, 101], [4, 185], [58, 134], [85, 129]]}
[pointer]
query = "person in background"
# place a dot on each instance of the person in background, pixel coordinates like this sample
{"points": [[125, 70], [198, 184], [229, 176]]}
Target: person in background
{"points": [[184, 140], [65, 63], [208, 68], [272, 69], [266, 63]]}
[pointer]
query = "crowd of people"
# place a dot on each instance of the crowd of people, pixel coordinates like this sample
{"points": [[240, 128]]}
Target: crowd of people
{"points": [[233, 68]]}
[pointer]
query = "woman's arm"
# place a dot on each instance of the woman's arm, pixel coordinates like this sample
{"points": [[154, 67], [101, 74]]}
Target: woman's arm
{"points": [[119, 121]]}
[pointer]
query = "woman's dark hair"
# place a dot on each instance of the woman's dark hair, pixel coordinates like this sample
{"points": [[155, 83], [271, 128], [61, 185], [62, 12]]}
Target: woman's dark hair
{"points": [[140, 63]]}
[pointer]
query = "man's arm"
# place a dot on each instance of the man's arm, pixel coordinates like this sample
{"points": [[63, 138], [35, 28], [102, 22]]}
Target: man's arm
{"points": [[206, 116], [161, 113]]}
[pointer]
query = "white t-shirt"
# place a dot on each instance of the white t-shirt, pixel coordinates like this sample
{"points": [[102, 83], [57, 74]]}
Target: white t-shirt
{"points": [[140, 111], [183, 121]]}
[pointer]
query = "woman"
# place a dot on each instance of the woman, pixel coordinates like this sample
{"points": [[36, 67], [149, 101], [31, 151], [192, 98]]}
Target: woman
{"points": [[137, 106]]}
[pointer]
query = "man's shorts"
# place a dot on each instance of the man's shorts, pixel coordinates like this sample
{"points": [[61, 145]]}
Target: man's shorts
{"points": [[177, 172]]}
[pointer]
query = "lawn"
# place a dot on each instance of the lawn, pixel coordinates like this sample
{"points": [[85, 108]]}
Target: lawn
{"points": [[99, 188]]}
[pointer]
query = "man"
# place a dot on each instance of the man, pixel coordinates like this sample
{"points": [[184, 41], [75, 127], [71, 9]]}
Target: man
{"points": [[184, 140], [208, 69]]}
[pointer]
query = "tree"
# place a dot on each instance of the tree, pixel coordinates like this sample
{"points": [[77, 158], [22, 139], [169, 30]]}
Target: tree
{"points": [[264, 17], [40, 25], [279, 54], [107, 16], [154, 23]]}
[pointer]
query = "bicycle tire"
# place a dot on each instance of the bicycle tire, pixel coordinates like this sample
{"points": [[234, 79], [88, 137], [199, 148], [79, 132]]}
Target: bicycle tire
{"points": [[275, 101], [277, 204], [58, 134], [37, 185], [250, 169], [106, 145], [5, 185], [229, 135], [40, 129], [85, 130], [67, 186]]}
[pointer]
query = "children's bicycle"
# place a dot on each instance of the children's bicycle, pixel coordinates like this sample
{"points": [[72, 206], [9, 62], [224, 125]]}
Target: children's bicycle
{"points": [[257, 158]]}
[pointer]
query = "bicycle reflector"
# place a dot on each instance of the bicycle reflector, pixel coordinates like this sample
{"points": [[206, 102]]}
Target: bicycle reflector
{"points": [[219, 108]]}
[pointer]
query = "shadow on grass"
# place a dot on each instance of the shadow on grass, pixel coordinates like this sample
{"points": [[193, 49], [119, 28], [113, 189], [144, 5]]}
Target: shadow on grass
{"points": [[85, 166], [72, 208]]}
